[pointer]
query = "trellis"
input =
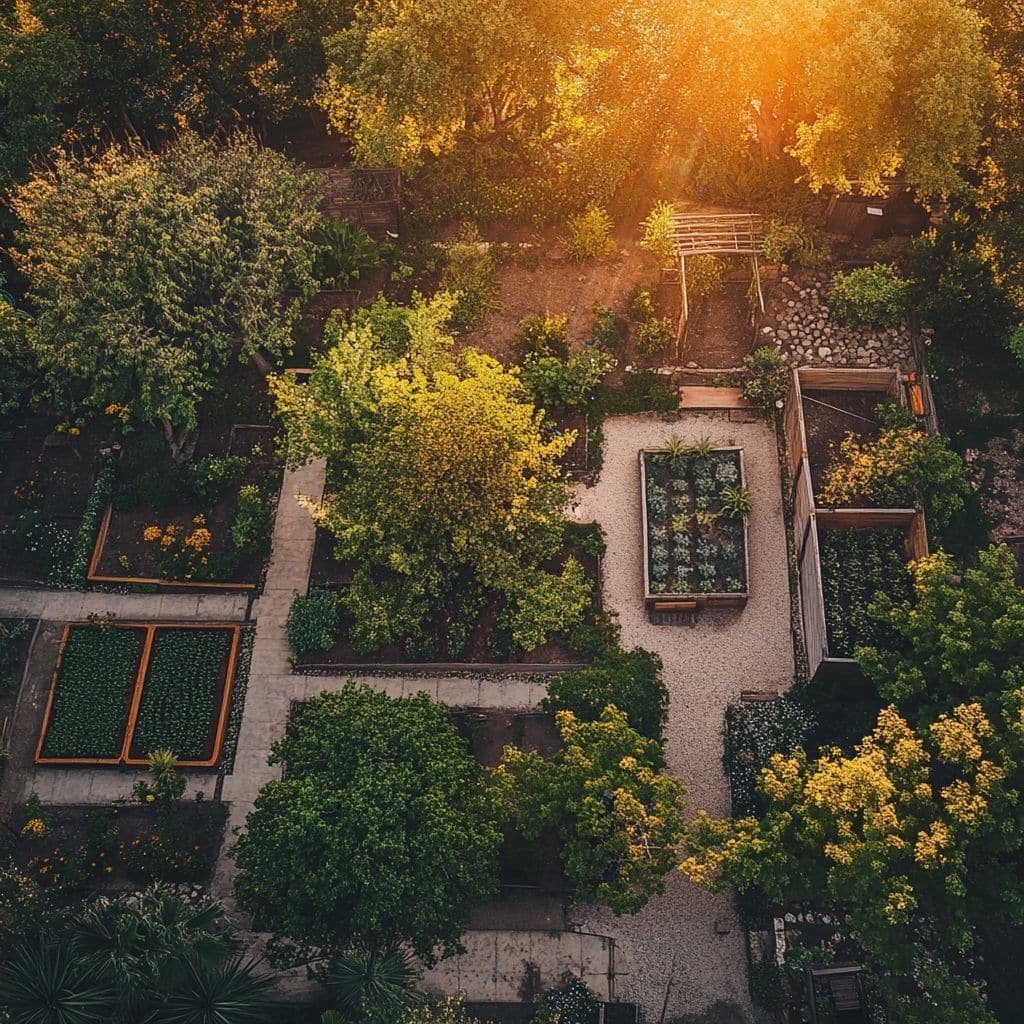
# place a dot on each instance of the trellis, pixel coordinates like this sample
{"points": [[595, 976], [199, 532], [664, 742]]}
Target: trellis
{"points": [[716, 234]]}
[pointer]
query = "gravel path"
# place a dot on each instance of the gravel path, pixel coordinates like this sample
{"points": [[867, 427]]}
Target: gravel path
{"points": [[689, 939]]}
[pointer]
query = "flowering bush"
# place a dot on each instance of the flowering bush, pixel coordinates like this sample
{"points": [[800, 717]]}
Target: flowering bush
{"points": [[657, 237], [469, 275], [181, 555], [766, 381], [556, 384], [754, 732], [572, 1004], [545, 335]]}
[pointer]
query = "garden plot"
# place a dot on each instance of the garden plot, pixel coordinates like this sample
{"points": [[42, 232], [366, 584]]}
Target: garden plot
{"points": [[120, 692], [856, 564], [695, 505]]}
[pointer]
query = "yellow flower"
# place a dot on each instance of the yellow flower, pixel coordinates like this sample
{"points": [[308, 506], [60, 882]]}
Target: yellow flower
{"points": [[150, 798], [199, 520], [34, 827], [152, 533]]}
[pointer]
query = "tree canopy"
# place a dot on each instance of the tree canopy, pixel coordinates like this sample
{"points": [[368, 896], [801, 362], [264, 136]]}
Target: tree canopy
{"points": [[381, 830], [148, 271]]}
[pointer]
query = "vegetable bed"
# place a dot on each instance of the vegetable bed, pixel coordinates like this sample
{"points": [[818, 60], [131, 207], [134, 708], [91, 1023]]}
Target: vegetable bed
{"points": [[695, 507], [95, 683], [856, 564], [179, 709]]}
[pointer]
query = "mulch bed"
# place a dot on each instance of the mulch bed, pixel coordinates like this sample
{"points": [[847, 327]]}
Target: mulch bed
{"points": [[94, 829], [720, 332]]}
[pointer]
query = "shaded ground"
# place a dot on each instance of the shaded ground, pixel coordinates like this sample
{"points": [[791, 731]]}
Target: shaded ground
{"points": [[720, 332]]}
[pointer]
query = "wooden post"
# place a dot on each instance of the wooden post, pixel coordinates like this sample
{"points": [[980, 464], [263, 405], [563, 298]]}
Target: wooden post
{"points": [[757, 280]]}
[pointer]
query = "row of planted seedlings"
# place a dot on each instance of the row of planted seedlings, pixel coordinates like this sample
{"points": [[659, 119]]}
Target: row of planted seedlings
{"points": [[850, 546], [119, 692], [695, 508]]}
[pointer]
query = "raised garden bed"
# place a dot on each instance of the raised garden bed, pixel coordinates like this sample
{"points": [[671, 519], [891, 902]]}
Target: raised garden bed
{"points": [[482, 648], [694, 548], [203, 524], [855, 565], [119, 692], [187, 674]]}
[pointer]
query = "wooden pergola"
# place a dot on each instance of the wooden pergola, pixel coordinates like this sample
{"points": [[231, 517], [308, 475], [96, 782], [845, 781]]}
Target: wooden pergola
{"points": [[716, 234]]}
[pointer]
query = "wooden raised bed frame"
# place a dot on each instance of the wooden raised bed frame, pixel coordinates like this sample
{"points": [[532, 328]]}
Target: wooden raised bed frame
{"points": [[150, 629], [808, 516], [690, 601]]}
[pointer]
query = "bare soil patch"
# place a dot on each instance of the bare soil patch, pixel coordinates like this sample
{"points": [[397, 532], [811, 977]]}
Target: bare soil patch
{"points": [[829, 416]]}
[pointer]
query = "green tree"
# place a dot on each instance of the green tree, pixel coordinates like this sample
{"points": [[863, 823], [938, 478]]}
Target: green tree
{"points": [[380, 832], [147, 272], [619, 820], [631, 680], [441, 482], [913, 835], [961, 637]]}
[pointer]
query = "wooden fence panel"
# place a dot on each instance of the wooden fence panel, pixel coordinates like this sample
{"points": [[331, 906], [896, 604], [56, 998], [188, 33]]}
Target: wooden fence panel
{"points": [[812, 602], [838, 378], [793, 427]]}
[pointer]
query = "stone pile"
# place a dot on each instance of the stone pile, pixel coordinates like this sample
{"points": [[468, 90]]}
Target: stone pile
{"points": [[799, 322]]}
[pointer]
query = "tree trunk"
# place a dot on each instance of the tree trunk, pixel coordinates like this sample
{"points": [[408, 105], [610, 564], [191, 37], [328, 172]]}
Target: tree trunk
{"points": [[263, 364], [181, 443]]}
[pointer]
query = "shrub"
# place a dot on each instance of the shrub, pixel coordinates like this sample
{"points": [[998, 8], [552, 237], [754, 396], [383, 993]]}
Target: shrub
{"points": [[343, 253], [705, 275], [33, 541], [572, 1004], [657, 237], [545, 335], [469, 275], [874, 295], [312, 622], [1015, 343], [252, 522], [631, 680], [640, 391], [542, 604], [768, 987], [607, 331], [902, 465], [569, 384], [641, 305], [211, 476], [767, 379], [590, 235], [653, 335], [786, 242], [10, 634]]}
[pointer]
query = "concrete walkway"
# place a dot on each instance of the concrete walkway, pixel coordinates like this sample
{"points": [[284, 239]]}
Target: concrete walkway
{"points": [[72, 605]]}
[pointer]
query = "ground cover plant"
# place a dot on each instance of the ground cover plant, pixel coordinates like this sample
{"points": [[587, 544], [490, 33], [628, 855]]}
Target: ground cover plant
{"points": [[696, 504], [94, 685], [179, 705], [14, 639], [855, 566]]}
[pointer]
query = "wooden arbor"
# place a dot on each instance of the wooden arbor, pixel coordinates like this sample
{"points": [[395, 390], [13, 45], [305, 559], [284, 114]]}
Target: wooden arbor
{"points": [[716, 234]]}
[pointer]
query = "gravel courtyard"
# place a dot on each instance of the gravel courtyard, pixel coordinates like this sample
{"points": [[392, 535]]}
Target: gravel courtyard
{"points": [[689, 942]]}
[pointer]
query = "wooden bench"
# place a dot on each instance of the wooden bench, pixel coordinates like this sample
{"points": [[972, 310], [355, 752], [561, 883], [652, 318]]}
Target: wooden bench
{"points": [[697, 397]]}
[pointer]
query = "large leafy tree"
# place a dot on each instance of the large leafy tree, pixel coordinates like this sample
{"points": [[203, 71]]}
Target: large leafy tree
{"points": [[148, 271], [442, 484], [620, 821], [405, 80], [380, 832], [915, 836]]}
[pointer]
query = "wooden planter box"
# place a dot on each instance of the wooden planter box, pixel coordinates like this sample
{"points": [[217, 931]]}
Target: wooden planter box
{"points": [[689, 600], [219, 708]]}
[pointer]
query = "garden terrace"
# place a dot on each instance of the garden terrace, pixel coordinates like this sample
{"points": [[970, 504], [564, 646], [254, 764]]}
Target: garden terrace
{"points": [[695, 553], [120, 692], [860, 391]]}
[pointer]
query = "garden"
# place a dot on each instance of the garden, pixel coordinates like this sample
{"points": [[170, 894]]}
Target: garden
{"points": [[857, 564], [54, 484], [122, 691], [695, 506]]}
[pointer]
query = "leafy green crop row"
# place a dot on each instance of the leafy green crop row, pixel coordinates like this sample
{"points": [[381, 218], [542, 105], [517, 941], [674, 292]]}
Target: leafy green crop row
{"points": [[97, 676], [177, 699]]}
